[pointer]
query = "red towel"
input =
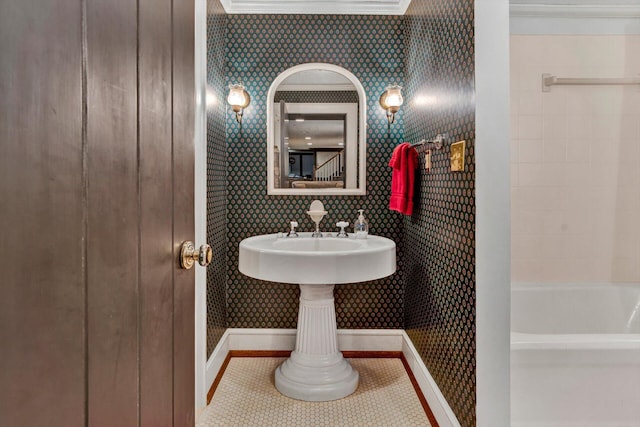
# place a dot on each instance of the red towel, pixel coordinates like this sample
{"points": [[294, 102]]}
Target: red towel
{"points": [[404, 162]]}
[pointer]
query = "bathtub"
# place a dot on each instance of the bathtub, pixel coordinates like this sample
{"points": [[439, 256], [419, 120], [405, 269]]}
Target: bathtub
{"points": [[575, 355]]}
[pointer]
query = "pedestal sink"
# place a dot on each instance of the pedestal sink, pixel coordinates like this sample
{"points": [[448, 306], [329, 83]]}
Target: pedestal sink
{"points": [[316, 370]]}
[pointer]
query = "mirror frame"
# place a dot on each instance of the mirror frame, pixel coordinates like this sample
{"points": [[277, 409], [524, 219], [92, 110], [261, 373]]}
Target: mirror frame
{"points": [[362, 135]]}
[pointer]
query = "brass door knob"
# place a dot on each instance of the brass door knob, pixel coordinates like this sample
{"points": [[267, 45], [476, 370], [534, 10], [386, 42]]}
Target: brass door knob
{"points": [[189, 255]]}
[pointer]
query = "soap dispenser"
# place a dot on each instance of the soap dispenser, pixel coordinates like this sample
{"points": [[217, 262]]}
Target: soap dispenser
{"points": [[361, 227]]}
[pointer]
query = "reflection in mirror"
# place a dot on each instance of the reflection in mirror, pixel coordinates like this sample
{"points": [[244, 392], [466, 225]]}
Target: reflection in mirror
{"points": [[316, 132]]}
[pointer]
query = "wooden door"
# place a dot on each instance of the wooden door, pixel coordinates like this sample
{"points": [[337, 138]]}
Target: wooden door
{"points": [[96, 195]]}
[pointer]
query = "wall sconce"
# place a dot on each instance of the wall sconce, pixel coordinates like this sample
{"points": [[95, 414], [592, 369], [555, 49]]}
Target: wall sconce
{"points": [[239, 99], [391, 100]]}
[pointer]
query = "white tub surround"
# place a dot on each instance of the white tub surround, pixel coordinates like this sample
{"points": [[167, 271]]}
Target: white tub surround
{"points": [[575, 355], [575, 180]]}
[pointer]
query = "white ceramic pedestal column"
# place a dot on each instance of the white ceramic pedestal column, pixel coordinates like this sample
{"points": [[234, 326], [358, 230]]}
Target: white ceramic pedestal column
{"points": [[316, 370]]}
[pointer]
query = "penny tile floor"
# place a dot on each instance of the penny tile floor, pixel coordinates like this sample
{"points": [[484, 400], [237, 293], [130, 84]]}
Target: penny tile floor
{"points": [[246, 396]]}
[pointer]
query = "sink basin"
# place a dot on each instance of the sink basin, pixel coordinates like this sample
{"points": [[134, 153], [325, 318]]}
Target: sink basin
{"points": [[331, 244], [316, 370], [314, 261]]}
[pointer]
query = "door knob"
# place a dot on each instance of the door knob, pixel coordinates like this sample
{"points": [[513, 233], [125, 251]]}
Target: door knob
{"points": [[189, 255]]}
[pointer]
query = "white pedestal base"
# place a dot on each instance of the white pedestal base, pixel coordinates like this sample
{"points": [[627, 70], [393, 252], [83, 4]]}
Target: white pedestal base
{"points": [[316, 370]]}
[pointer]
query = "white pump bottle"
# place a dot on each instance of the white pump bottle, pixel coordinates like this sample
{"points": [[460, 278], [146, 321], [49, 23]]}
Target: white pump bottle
{"points": [[361, 227]]}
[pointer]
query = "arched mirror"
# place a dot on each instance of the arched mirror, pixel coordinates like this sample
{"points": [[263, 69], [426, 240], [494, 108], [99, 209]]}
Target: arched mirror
{"points": [[316, 132]]}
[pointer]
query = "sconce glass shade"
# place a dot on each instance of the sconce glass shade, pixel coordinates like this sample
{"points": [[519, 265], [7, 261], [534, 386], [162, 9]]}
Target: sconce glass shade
{"points": [[238, 99], [391, 100]]}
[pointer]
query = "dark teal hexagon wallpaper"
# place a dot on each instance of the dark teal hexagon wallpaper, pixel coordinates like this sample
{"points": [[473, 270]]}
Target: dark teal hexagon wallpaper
{"points": [[216, 173], [259, 48], [317, 96], [439, 239]]}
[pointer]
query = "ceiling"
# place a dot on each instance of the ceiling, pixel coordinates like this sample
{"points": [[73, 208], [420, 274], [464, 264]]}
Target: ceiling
{"points": [[376, 7], [322, 134]]}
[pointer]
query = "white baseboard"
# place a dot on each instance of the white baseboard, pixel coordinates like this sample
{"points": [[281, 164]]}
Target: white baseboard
{"points": [[262, 339], [216, 360], [285, 339], [438, 404], [348, 340]]}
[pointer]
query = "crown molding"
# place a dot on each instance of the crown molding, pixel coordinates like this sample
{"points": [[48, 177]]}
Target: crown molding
{"points": [[319, 7], [539, 19], [574, 11]]}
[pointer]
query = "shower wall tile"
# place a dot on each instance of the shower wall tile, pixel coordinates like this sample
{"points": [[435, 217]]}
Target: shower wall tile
{"points": [[530, 150], [530, 126], [574, 208], [216, 173], [530, 103], [259, 48], [439, 238], [554, 151]]}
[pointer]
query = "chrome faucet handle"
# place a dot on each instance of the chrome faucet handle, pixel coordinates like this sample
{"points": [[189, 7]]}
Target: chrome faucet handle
{"points": [[292, 232], [342, 225]]}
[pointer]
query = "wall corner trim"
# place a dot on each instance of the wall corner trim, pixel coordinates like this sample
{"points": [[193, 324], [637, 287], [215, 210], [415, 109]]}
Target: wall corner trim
{"points": [[348, 340]]}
